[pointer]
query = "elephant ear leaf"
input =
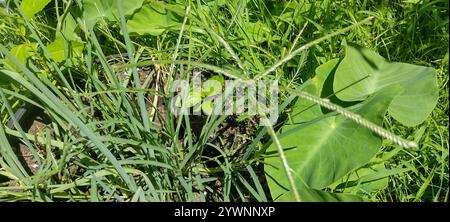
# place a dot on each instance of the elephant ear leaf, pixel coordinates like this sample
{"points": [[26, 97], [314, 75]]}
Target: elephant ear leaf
{"points": [[313, 195], [153, 19], [107, 9], [60, 49], [322, 148], [363, 72]]}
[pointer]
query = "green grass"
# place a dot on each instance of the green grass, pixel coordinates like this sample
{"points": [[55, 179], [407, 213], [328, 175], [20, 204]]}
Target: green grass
{"points": [[106, 144]]}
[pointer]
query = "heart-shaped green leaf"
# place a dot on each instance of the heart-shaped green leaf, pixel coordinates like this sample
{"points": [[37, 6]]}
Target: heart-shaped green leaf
{"points": [[207, 107], [321, 148], [152, 19], [363, 181], [68, 30], [367, 180], [22, 52], [366, 73], [194, 97], [213, 86], [313, 195], [107, 9], [60, 48], [32, 7]]}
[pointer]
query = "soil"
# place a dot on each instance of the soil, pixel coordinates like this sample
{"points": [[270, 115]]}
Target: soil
{"points": [[34, 122], [39, 126]]}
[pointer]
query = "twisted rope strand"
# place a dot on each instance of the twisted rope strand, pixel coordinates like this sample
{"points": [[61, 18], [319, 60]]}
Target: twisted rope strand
{"points": [[359, 119]]}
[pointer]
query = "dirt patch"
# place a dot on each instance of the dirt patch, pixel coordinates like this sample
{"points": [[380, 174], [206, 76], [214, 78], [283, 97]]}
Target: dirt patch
{"points": [[34, 122], [38, 127]]}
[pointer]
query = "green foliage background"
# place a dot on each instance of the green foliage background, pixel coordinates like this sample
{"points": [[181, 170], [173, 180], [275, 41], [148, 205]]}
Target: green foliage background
{"points": [[59, 42]]}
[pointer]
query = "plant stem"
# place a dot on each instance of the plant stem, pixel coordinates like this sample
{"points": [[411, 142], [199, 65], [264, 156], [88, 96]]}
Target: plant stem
{"points": [[307, 46], [284, 161]]}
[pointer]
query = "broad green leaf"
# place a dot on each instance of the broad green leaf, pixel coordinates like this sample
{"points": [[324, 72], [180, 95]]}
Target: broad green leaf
{"points": [[193, 98], [68, 30], [107, 9], [207, 107], [32, 7], [369, 179], [22, 52], [213, 86], [59, 48], [153, 19], [374, 73], [313, 195], [218, 78], [320, 148], [365, 181]]}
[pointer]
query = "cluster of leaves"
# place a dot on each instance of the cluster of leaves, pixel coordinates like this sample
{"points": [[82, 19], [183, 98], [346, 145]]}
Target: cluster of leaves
{"points": [[323, 148]]}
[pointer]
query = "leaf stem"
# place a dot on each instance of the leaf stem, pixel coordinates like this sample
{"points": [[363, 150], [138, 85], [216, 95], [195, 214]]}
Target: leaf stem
{"points": [[286, 167]]}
